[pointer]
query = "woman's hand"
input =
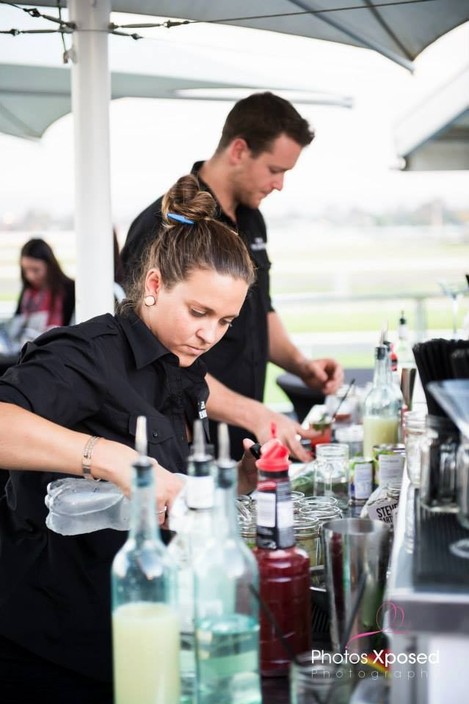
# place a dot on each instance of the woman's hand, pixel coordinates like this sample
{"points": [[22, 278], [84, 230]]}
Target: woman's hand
{"points": [[168, 486], [113, 461]]}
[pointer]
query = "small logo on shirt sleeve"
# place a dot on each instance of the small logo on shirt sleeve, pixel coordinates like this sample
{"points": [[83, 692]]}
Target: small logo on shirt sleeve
{"points": [[258, 244]]}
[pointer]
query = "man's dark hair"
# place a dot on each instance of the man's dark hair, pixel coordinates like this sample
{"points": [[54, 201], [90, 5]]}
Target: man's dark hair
{"points": [[262, 117]]}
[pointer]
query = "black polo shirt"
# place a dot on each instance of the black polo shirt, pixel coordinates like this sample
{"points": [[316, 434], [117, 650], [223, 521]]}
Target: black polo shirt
{"points": [[96, 377], [240, 359]]}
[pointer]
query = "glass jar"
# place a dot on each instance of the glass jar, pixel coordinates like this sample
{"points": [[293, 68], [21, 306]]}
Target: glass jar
{"points": [[351, 435], [307, 537], [331, 472], [438, 470], [414, 438], [322, 514]]}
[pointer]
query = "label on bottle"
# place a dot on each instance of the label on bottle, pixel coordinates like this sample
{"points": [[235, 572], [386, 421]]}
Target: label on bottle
{"points": [[390, 467], [275, 517], [361, 479], [383, 510]]}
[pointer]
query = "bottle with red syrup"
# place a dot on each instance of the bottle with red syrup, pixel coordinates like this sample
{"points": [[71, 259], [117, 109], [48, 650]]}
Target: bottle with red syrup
{"points": [[283, 568]]}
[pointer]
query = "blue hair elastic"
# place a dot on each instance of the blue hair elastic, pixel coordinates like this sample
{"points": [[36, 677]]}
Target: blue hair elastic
{"points": [[180, 218]]}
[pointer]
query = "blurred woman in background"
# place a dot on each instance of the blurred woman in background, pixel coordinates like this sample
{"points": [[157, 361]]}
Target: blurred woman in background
{"points": [[47, 297]]}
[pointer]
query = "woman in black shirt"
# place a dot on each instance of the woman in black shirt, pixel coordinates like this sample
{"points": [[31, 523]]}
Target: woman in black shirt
{"points": [[83, 387]]}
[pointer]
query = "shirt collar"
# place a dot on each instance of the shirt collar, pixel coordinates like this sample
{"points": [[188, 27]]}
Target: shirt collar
{"points": [[146, 348]]}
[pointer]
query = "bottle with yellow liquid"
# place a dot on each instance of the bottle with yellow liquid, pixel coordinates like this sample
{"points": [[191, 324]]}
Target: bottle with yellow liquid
{"points": [[381, 411], [145, 622]]}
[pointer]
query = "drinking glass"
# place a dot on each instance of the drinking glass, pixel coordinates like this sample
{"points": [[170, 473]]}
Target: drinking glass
{"points": [[316, 679]]}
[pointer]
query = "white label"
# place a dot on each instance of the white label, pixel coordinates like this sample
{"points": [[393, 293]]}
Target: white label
{"points": [[284, 514], [382, 511], [362, 479], [390, 468], [265, 508]]}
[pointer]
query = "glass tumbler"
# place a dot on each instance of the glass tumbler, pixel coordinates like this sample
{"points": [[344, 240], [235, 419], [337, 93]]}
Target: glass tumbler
{"points": [[415, 437], [316, 679]]}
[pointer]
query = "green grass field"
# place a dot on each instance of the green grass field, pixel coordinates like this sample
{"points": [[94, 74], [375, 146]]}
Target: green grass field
{"points": [[310, 258]]}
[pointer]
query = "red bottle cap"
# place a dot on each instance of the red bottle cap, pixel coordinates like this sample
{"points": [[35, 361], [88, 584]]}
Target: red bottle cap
{"points": [[274, 457]]}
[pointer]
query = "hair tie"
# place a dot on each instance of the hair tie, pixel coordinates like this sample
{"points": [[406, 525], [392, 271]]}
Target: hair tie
{"points": [[180, 218]]}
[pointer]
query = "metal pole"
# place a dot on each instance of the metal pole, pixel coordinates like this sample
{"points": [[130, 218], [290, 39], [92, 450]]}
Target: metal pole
{"points": [[91, 95]]}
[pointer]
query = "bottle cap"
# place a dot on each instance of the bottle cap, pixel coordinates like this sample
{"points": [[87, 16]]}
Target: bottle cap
{"points": [[274, 457], [380, 352]]}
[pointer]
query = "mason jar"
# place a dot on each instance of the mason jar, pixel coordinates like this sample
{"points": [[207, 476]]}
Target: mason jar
{"points": [[438, 471]]}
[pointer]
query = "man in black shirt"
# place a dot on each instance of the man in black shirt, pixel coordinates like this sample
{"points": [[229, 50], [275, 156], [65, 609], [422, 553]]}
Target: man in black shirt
{"points": [[262, 138]]}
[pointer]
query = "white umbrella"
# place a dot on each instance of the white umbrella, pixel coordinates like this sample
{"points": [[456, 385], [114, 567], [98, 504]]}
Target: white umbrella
{"points": [[400, 32]]}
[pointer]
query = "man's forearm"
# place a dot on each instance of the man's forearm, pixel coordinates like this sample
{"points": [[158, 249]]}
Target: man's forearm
{"points": [[227, 406], [282, 350]]}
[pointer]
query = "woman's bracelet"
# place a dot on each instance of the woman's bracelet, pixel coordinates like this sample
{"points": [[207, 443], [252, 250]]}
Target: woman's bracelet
{"points": [[87, 455]]}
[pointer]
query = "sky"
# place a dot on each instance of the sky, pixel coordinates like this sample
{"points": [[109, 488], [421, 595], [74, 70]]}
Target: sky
{"points": [[352, 161]]}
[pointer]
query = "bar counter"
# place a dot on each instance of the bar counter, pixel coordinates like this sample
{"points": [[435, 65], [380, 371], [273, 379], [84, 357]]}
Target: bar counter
{"points": [[428, 588]]}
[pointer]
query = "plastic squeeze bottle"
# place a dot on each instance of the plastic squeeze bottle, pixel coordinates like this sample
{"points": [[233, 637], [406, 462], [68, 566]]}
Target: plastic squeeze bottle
{"points": [[283, 568]]}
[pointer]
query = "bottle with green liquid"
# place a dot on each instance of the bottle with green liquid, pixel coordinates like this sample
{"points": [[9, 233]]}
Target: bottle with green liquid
{"points": [[226, 586], [145, 621], [193, 532]]}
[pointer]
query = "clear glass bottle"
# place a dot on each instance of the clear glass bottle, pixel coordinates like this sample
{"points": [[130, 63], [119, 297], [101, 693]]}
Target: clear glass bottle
{"points": [[194, 530], [145, 622], [405, 356], [395, 381], [226, 584], [381, 413], [283, 567]]}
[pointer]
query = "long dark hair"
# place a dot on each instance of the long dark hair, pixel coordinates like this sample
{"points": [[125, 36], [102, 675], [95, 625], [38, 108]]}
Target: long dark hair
{"points": [[57, 279]]}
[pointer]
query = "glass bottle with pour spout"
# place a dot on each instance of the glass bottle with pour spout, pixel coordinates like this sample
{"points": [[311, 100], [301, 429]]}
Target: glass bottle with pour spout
{"points": [[284, 568], [145, 621], [193, 533], [381, 408], [226, 606]]}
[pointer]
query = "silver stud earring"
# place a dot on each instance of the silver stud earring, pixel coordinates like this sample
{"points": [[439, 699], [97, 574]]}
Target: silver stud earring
{"points": [[149, 300]]}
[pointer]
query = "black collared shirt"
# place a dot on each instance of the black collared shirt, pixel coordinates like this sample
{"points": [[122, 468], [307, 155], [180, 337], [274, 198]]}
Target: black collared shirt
{"points": [[96, 377], [240, 359]]}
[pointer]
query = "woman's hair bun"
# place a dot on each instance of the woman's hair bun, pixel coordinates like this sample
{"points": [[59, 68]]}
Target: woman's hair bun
{"points": [[185, 198]]}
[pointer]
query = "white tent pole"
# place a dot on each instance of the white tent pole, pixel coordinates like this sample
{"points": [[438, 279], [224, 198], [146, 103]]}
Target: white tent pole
{"points": [[91, 95]]}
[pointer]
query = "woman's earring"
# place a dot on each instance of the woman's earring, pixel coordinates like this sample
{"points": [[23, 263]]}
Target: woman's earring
{"points": [[149, 300]]}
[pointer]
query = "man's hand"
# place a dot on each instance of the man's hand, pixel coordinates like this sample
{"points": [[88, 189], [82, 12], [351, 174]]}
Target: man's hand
{"points": [[288, 431], [247, 470], [326, 375]]}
